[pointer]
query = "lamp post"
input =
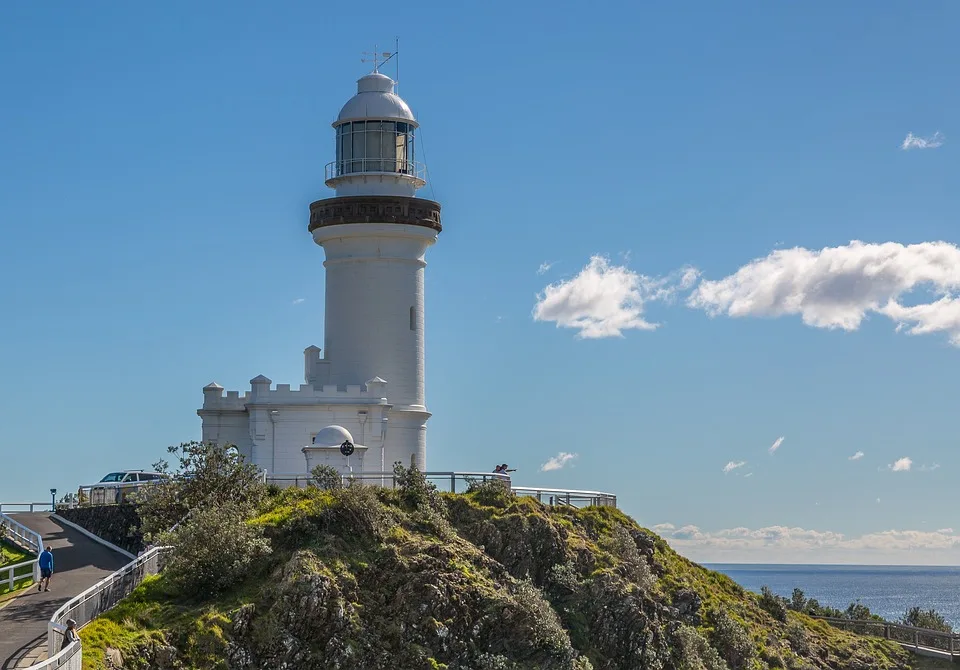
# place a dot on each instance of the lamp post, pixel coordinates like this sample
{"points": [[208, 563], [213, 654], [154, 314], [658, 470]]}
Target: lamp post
{"points": [[53, 500], [383, 446]]}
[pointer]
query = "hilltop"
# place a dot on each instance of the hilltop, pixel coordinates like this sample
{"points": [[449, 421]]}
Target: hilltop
{"points": [[411, 579]]}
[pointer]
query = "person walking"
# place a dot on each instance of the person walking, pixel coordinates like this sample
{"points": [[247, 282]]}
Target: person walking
{"points": [[70, 634], [46, 569]]}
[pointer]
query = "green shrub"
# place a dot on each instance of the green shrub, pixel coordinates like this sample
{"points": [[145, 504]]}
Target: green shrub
{"points": [[633, 564], [773, 604], [797, 637], [931, 619], [326, 477], [690, 651], [492, 493], [415, 489], [214, 551], [731, 639]]}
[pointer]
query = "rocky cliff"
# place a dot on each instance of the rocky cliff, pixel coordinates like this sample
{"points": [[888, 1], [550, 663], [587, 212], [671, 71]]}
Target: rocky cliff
{"points": [[363, 579]]}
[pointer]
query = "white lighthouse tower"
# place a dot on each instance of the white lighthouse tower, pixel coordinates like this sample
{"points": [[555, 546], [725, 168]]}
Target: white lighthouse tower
{"points": [[370, 376], [375, 232]]}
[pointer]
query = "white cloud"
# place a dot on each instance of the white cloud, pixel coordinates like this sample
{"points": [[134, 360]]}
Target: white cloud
{"points": [[298, 301], [545, 267], [603, 300], [856, 457], [901, 465], [912, 141], [797, 545], [749, 474], [557, 462], [929, 468], [733, 465], [776, 444], [837, 287]]}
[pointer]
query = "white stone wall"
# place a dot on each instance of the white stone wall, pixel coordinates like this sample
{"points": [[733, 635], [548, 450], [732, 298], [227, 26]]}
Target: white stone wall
{"points": [[374, 276]]}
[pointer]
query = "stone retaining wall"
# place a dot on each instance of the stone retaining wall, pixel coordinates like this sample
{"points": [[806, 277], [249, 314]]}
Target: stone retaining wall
{"points": [[118, 524]]}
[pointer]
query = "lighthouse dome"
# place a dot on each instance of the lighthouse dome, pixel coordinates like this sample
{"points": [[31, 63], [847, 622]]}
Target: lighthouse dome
{"points": [[332, 436], [375, 99]]}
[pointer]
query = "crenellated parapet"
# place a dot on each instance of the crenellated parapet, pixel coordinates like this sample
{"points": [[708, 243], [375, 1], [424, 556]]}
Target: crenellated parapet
{"points": [[262, 393]]}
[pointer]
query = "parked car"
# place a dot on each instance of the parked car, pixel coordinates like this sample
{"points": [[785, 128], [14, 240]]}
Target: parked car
{"points": [[116, 487]]}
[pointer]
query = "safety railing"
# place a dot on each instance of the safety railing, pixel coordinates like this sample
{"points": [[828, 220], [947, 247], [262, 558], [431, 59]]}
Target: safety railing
{"points": [[25, 507], [16, 533], [570, 497], [102, 596], [356, 166], [919, 639], [69, 658], [459, 482]]}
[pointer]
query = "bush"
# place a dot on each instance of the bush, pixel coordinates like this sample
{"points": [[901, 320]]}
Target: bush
{"points": [[414, 488], [797, 637], [214, 551], [731, 639], [691, 651], [207, 476], [326, 477], [633, 565], [492, 493], [930, 619], [773, 604]]}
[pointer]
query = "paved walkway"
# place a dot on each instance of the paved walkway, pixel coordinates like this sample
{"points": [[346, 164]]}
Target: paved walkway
{"points": [[79, 563]]}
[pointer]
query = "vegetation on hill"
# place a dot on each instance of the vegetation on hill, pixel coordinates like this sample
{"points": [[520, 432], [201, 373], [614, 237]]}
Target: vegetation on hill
{"points": [[360, 577]]}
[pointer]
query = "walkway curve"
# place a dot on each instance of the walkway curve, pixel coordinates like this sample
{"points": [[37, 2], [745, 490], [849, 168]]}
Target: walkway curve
{"points": [[79, 563]]}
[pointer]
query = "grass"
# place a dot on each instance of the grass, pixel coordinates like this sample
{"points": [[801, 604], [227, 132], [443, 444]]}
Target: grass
{"points": [[11, 554]]}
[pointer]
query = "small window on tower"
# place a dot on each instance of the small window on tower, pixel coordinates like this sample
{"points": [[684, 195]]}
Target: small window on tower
{"points": [[413, 318]]}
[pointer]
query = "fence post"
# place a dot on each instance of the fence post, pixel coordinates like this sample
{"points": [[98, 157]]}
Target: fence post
{"points": [[916, 639], [886, 631], [453, 482]]}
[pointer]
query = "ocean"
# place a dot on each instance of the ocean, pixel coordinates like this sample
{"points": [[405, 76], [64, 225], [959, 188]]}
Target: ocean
{"points": [[887, 590]]}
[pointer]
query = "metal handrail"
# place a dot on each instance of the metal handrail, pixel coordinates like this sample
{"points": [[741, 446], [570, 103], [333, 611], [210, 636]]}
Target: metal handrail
{"points": [[358, 166], [45, 506], [450, 480], [932, 639], [103, 595], [69, 658], [23, 537]]}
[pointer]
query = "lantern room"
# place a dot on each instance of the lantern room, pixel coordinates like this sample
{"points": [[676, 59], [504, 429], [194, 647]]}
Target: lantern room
{"points": [[375, 150]]}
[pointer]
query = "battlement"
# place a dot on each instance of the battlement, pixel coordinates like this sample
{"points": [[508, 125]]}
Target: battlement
{"points": [[261, 393]]}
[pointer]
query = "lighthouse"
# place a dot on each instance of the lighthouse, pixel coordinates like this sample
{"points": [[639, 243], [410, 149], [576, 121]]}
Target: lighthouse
{"points": [[375, 233], [369, 375]]}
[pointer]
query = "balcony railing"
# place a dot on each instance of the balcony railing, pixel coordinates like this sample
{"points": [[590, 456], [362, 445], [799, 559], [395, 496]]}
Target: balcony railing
{"points": [[389, 166]]}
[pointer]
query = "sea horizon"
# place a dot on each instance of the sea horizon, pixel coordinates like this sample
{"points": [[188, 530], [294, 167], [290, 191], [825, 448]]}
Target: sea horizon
{"points": [[888, 590]]}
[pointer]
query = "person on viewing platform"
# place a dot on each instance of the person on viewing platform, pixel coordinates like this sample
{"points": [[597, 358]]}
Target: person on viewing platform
{"points": [[498, 470], [70, 634], [46, 569], [505, 470]]}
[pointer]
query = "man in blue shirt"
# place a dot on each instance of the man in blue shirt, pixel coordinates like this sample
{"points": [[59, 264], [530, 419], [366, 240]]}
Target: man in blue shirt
{"points": [[46, 569]]}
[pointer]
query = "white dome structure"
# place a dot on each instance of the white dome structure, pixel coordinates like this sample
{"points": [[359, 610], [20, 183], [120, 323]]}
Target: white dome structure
{"points": [[332, 436], [375, 99]]}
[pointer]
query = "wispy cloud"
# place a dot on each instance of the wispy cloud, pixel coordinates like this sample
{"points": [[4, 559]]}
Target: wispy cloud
{"points": [[929, 468], [776, 444], [749, 474], [733, 465], [557, 462], [545, 267], [297, 301], [792, 544], [837, 287], [901, 465], [912, 141], [856, 457], [603, 299]]}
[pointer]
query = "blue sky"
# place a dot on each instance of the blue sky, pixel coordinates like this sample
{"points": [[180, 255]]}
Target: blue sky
{"points": [[156, 163]]}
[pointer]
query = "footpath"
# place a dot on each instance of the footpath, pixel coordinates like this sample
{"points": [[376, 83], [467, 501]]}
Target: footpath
{"points": [[79, 563]]}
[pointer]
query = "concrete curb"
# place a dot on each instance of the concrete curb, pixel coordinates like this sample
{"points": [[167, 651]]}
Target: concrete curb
{"points": [[95, 538]]}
